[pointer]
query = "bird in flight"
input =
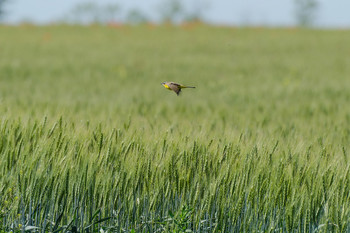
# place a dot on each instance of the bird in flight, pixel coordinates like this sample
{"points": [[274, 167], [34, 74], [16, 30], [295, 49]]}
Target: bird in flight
{"points": [[174, 87]]}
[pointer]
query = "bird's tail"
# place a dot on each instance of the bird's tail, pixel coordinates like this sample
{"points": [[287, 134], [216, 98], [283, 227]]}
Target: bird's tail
{"points": [[187, 87]]}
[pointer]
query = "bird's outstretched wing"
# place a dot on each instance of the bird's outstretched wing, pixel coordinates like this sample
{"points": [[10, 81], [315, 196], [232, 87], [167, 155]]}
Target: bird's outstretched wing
{"points": [[175, 87]]}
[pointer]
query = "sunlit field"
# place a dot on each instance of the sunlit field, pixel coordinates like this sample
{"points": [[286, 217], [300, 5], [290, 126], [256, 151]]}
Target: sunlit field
{"points": [[90, 141]]}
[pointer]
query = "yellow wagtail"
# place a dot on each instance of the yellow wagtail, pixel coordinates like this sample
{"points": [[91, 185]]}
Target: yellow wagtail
{"points": [[174, 87]]}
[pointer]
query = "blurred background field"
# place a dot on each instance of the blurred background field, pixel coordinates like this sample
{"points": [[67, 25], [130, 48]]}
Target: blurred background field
{"points": [[246, 78], [90, 139]]}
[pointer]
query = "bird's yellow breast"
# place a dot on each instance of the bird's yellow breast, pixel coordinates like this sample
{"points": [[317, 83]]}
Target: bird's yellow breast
{"points": [[166, 86]]}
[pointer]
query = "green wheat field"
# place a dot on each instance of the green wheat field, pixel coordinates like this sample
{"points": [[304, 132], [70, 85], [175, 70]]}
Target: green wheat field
{"points": [[91, 142]]}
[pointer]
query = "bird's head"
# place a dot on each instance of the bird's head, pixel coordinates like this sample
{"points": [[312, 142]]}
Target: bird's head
{"points": [[165, 85]]}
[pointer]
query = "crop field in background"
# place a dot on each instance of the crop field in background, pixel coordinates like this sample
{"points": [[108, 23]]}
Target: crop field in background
{"points": [[90, 140]]}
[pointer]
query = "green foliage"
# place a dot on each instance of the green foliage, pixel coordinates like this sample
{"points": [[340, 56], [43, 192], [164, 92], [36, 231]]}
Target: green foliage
{"points": [[2, 11], [305, 12], [136, 16], [89, 12], [180, 221], [171, 11], [90, 141]]}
